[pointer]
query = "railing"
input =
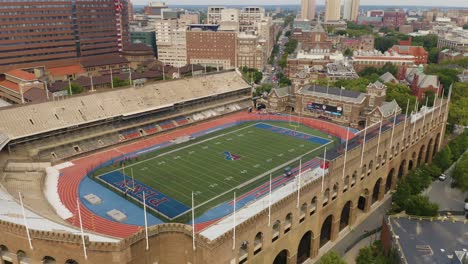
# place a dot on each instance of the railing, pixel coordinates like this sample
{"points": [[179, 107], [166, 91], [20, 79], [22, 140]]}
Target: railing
{"points": [[363, 236]]}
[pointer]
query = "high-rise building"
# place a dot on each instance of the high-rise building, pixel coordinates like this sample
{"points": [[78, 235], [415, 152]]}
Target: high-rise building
{"points": [[308, 9], [351, 10], [52, 32], [171, 41], [332, 10]]}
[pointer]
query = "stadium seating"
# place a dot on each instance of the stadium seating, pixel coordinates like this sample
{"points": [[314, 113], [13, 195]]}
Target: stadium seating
{"points": [[181, 121]]}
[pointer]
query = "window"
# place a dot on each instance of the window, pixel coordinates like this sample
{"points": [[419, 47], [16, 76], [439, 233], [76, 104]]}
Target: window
{"points": [[276, 231], [313, 205], [288, 223], [258, 242]]}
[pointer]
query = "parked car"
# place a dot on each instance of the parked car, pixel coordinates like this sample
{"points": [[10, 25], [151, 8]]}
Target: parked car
{"points": [[442, 177], [466, 205]]}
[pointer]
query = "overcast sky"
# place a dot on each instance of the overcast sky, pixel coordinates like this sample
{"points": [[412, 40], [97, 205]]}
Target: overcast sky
{"points": [[460, 3]]}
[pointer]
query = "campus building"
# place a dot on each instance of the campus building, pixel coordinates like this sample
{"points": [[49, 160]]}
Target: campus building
{"points": [[60, 32], [332, 10]]}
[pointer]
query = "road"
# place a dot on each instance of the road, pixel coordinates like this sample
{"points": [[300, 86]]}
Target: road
{"points": [[448, 199], [268, 77]]}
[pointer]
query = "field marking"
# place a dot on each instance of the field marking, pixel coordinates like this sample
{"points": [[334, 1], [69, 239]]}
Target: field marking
{"points": [[293, 131], [181, 148]]}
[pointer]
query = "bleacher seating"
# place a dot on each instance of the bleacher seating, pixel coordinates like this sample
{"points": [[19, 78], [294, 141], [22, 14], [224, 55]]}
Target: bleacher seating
{"points": [[181, 121]]}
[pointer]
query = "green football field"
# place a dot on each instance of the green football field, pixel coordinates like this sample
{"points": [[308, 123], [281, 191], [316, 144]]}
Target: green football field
{"points": [[240, 157]]}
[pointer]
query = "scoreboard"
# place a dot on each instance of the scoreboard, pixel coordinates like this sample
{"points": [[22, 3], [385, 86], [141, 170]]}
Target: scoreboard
{"points": [[334, 110]]}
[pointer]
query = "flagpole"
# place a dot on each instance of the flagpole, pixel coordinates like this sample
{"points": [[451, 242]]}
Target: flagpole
{"points": [[433, 107], [364, 143], [378, 140], [112, 79], [24, 220], [234, 226], [406, 119], [440, 105], [299, 183], [269, 204], [425, 112], [69, 87], [81, 228], [444, 120], [393, 132], [193, 222], [146, 220], [346, 152], [324, 161]]}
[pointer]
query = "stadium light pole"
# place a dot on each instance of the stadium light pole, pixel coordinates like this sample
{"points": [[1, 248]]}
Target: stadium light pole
{"points": [[425, 112], [433, 107], [234, 225], [393, 131], [449, 96], [323, 171], [111, 79], [24, 220], [299, 183], [364, 143], [378, 140], [406, 120]]}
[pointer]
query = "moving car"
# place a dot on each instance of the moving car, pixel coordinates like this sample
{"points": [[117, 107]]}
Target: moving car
{"points": [[442, 177]]}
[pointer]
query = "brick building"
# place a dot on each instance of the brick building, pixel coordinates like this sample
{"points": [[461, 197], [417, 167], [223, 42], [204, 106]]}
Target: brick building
{"points": [[46, 33], [419, 53], [394, 19], [378, 59], [313, 39], [365, 43]]}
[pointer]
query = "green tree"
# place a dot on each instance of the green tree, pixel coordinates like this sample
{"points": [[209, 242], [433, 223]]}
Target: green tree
{"points": [[119, 82], [252, 74], [443, 159], [75, 88], [365, 256], [421, 206], [460, 173], [458, 113], [348, 52], [331, 258], [287, 34], [290, 46], [283, 81], [385, 42], [264, 88], [401, 94], [433, 56], [465, 26]]}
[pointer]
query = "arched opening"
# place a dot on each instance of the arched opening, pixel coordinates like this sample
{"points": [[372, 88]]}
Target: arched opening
{"points": [[436, 144], [243, 252], [21, 256], [325, 232], [71, 261], [388, 183], [258, 243], [303, 212], [353, 179], [363, 171], [346, 184], [384, 158], [397, 150], [376, 191], [401, 170], [48, 260], [288, 223], [326, 197], [313, 205], [5, 255], [276, 231], [371, 167], [345, 213], [282, 257], [420, 155], [362, 200], [335, 191], [303, 250], [410, 165], [429, 147]]}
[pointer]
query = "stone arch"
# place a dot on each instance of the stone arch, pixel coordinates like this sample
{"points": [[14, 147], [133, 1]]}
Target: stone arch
{"points": [[428, 151], [303, 212], [346, 184], [313, 205], [71, 261], [362, 200], [376, 191], [411, 162], [243, 252], [345, 215], [48, 260], [370, 168], [288, 222], [303, 249], [326, 197], [436, 144], [282, 257], [21, 255], [4, 252], [420, 155], [335, 191], [401, 170], [389, 181], [326, 230], [258, 243], [276, 230]]}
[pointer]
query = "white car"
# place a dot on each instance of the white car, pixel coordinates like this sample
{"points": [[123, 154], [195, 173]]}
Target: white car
{"points": [[442, 177], [466, 205]]}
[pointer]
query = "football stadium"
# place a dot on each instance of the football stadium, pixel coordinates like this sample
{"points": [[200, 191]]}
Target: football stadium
{"points": [[189, 171]]}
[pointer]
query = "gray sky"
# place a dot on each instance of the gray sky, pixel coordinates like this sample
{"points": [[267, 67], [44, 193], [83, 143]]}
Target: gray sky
{"points": [[461, 3]]}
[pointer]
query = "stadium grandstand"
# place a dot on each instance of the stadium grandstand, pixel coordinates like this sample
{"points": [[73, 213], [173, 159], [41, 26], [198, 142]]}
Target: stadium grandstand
{"points": [[182, 171]]}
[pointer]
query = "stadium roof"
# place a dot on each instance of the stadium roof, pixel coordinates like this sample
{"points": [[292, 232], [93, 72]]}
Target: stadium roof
{"points": [[31, 119]]}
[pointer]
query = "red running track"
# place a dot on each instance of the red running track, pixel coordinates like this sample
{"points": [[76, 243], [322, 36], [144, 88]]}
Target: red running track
{"points": [[71, 177]]}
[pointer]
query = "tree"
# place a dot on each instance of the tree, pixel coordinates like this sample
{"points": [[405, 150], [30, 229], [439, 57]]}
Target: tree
{"points": [[460, 173], [458, 113], [252, 74], [433, 56], [443, 159], [283, 81], [119, 82], [75, 88], [401, 94], [348, 52], [465, 26], [421, 206], [384, 43], [287, 34], [331, 258], [264, 88], [290, 46], [365, 256]]}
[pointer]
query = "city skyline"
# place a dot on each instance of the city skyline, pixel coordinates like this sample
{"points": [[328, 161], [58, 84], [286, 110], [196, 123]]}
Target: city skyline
{"points": [[448, 3]]}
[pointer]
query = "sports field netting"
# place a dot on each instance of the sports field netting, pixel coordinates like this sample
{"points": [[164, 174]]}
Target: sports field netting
{"points": [[213, 165]]}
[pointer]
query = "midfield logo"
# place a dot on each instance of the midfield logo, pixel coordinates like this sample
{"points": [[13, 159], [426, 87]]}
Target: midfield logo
{"points": [[230, 156]]}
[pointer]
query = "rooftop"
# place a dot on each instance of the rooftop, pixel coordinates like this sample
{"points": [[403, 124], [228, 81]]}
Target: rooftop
{"points": [[103, 60], [333, 93], [10, 85], [20, 74], [66, 70], [30, 119], [425, 241]]}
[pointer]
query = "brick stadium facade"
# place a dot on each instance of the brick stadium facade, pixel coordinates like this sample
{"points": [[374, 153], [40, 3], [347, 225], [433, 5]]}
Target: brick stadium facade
{"points": [[295, 234], [54, 33]]}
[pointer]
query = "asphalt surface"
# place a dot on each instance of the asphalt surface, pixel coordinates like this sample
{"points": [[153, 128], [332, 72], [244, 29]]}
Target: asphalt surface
{"points": [[423, 241]]}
